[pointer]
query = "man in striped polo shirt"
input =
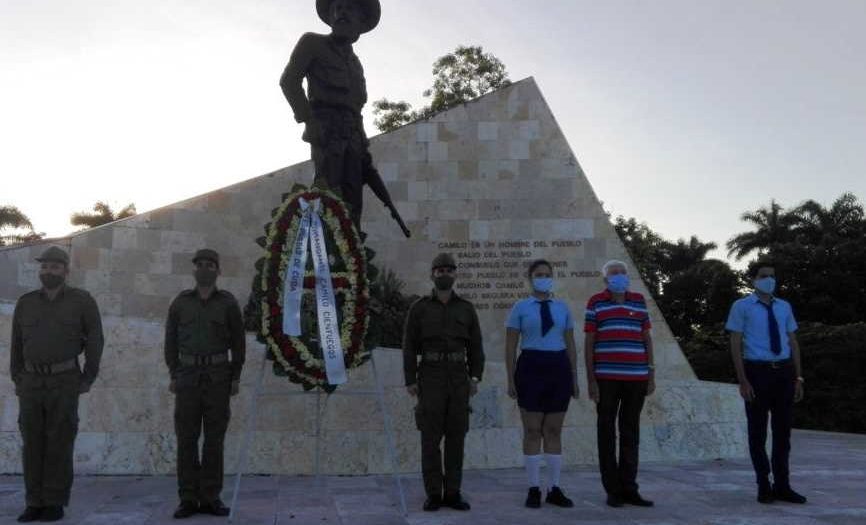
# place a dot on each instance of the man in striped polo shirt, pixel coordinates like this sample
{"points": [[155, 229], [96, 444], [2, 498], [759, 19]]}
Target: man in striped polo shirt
{"points": [[620, 373]]}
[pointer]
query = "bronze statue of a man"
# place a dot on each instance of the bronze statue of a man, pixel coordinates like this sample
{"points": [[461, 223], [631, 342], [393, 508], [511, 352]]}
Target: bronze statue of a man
{"points": [[331, 109]]}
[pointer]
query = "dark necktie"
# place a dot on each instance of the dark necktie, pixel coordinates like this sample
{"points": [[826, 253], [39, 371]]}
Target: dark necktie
{"points": [[546, 318], [775, 339]]}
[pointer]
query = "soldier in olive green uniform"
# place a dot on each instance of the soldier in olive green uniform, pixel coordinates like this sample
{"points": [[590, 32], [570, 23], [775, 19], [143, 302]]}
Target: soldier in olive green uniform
{"points": [[50, 328], [203, 325], [442, 331]]}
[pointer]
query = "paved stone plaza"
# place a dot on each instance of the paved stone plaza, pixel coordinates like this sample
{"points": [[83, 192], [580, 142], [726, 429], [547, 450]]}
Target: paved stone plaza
{"points": [[830, 469]]}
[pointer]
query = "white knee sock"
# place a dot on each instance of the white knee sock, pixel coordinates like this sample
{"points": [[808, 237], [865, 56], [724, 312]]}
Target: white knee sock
{"points": [[533, 469], [554, 467]]}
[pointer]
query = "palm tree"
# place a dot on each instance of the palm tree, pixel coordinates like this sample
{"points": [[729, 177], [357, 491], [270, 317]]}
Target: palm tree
{"points": [[14, 219], [773, 226], [844, 218], [683, 254], [102, 214]]}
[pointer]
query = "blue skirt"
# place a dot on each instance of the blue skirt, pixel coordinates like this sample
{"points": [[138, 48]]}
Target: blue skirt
{"points": [[544, 381]]}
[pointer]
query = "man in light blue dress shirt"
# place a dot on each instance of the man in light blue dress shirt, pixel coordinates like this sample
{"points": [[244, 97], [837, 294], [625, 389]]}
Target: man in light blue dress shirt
{"points": [[767, 360]]}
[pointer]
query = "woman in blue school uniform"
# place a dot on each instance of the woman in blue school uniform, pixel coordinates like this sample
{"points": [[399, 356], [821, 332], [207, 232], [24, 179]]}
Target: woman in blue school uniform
{"points": [[543, 379]]}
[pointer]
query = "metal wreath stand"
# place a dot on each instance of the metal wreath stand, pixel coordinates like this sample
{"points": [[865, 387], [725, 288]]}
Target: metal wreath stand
{"points": [[379, 393]]}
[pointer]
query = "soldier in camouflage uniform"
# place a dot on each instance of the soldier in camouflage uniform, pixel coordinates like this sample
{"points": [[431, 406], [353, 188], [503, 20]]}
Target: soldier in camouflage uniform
{"points": [[442, 332], [204, 325], [50, 328]]}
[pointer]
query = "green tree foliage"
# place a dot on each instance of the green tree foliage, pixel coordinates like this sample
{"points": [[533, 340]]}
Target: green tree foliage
{"points": [[833, 364], [690, 289], [15, 227], [458, 77], [102, 214], [819, 254]]}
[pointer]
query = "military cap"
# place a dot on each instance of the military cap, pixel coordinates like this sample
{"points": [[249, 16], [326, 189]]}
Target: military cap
{"points": [[372, 12], [54, 254], [208, 255], [444, 260]]}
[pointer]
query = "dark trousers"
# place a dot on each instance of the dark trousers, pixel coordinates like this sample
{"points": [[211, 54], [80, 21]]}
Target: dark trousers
{"points": [[201, 403], [774, 395], [619, 405], [48, 420], [442, 412], [343, 161]]}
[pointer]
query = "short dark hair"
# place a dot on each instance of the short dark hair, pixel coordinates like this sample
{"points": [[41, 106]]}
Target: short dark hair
{"points": [[755, 266], [535, 264]]}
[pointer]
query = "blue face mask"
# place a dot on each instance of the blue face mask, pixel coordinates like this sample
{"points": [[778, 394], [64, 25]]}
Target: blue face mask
{"points": [[617, 283], [542, 284], [766, 285]]}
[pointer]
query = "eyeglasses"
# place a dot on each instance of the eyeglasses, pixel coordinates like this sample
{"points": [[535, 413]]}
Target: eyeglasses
{"points": [[444, 269]]}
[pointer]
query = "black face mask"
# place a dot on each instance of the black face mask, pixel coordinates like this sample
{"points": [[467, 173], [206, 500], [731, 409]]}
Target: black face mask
{"points": [[444, 282], [51, 281], [205, 277]]}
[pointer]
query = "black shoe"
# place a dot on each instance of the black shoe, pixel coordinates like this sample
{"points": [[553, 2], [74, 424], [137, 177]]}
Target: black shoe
{"points": [[53, 513], [788, 495], [214, 508], [613, 500], [634, 498], [456, 501], [186, 509], [765, 494], [533, 499], [30, 514], [556, 497], [432, 503]]}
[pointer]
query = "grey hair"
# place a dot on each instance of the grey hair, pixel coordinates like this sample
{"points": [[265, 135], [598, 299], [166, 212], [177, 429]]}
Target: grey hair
{"points": [[612, 263]]}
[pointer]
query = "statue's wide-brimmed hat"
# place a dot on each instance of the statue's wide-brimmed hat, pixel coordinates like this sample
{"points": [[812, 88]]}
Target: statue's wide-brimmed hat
{"points": [[372, 10]]}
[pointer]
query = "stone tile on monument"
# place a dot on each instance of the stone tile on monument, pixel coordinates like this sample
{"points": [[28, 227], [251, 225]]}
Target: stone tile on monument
{"points": [[345, 452], [352, 413], [123, 237], [388, 170], [120, 409], [579, 445], [84, 258], [437, 152], [464, 149], [456, 209], [504, 447], [407, 445], [488, 131], [426, 132], [180, 241], [475, 452], [417, 152], [388, 151], [417, 191], [89, 451], [458, 130], [28, 275], [9, 412], [102, 237], [126, 453], [152, 307]]}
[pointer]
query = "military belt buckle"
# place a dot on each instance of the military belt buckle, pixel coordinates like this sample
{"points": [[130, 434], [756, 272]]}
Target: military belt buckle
{"points": [[775, 365]]}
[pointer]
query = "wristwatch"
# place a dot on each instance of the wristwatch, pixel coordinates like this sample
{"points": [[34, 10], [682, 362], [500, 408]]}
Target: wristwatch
{"points": [[475, 379]]}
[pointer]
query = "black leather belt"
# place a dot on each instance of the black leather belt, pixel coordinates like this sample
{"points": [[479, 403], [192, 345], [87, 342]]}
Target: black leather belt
{"points": [[435, 357], [203, 360], [49, 369], [774, 365]]}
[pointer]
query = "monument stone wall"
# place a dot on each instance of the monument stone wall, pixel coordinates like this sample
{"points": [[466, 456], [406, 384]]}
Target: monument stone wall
{"points": [[493, 181]]}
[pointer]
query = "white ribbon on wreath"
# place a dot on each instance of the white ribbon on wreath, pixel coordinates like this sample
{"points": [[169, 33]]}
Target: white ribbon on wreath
{"points": [[311, 231]]}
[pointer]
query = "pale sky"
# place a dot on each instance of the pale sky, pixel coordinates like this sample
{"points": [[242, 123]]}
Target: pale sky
{"points": [[682, 113]]}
